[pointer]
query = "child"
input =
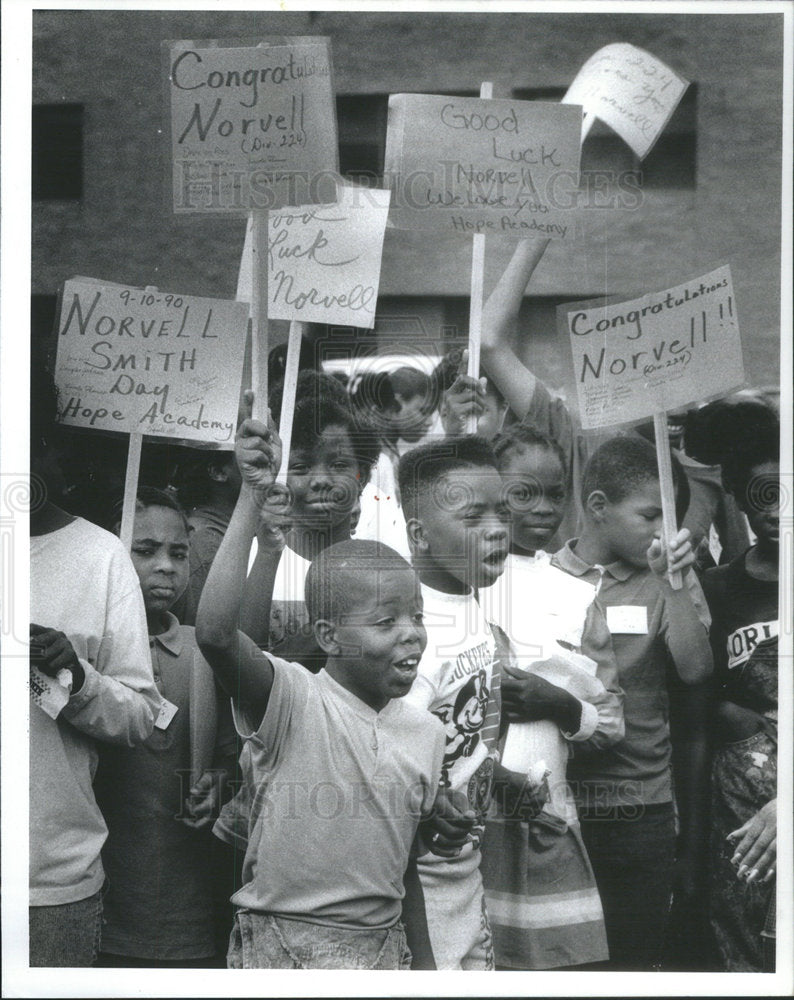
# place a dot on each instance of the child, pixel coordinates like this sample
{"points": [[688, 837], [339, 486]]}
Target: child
{"points": [[743, 598], [330, 460], [625, 792], [412, 414], [88, 625], [534, 405], [158, 907], [381, 518], [542, 898], [457, 525], [344, 768]]}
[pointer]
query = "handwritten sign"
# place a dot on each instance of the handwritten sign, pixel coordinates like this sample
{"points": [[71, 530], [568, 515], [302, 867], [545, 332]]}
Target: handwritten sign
{"points": [[659, 352], [324, 260], [629, 89], [148, 362], [497, 167], [251, 128]]}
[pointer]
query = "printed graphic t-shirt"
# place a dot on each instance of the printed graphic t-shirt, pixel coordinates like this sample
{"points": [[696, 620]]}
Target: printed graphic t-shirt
{"points": [[458, 682]]}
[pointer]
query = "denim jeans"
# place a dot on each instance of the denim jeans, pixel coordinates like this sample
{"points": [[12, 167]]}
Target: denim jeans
{"points": [[263, 941], [67, 935]]}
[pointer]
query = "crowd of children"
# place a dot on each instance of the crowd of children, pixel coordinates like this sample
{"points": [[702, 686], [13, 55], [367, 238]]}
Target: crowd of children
{"points": [[482, 731]]}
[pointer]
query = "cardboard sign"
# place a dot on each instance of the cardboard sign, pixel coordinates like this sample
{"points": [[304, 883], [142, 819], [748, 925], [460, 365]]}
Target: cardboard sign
{"points": [[629, 89], [324, 260], [251, 128], [656, 353], [497, 167], [148, 362]]}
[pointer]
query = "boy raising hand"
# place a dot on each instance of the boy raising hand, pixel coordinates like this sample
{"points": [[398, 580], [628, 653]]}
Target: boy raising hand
{"points": [[344, 770]]}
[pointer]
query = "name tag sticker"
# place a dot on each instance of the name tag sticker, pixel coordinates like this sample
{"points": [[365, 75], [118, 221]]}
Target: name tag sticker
{"points": [[167, 711], [628, 619]]}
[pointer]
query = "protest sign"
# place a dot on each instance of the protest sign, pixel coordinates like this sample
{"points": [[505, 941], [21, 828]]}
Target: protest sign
{"points": [[656, 353], [474, 166], [629, 89], [143, 361], [251, 127], [324, 260]]}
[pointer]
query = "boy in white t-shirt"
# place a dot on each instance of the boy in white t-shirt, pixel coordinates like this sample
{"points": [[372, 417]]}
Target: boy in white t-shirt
{"points": [[344, 768], [457, 523]]}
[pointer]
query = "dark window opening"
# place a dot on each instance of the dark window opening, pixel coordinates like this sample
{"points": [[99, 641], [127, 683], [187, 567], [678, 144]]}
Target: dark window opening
{"points": [[57, 152], [671, 163]]}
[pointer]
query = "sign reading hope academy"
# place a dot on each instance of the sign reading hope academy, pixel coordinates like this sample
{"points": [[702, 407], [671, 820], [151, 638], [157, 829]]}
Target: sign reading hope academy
{"points": [[148, 362], [470, 165]]}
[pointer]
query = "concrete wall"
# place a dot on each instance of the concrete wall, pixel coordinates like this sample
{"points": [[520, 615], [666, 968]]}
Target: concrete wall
{"points": [[123, 230]]}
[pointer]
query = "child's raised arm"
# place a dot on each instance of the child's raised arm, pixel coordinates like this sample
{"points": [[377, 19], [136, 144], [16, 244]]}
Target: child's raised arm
{"points": [[242, 669], [686, 618], [499, 316]]}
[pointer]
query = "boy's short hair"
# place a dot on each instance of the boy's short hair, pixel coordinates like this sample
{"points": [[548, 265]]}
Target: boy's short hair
{"points": [[409, 382], [519, 434], [150, 496], [321, 401], [624, 464], [328, 589], [421, 468]]}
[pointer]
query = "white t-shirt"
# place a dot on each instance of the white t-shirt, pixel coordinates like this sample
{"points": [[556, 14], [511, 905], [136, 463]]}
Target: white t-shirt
{"points": [[83, 583], [381, 517], [340, 791], [543, 610], [458, 681]]}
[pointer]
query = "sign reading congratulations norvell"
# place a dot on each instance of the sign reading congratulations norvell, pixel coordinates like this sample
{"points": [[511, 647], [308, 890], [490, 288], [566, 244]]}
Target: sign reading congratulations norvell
{"points": [[149, 362], [659, 352], [251, 128]]}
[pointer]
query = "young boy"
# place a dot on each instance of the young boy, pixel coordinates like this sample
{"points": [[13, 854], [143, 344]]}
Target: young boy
{"points": [[625, 792], [344, 768], [87, 625], [457, 523], [159, 907]]}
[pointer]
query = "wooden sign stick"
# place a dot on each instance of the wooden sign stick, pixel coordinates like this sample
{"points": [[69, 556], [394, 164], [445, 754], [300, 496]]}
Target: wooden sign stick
{"points": [[131, 489], [131, 479], [259, 328], [668, 490], [477, 286], [296, 331]]}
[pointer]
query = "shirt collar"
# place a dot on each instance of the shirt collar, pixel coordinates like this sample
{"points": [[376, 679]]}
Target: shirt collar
{"points": [[171, 640], [361, 708], [572, 563]]}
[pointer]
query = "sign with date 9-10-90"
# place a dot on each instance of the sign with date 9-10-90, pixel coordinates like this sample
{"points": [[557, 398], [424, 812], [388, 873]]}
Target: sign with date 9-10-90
{"points": [[656, 353], [149, 362], [251, 128], [472, 165]]}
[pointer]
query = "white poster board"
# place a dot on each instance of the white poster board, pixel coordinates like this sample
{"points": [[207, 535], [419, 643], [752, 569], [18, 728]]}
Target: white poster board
{"points": [[324, 260], [474, 166], [149, 362], [631, 90], [251, 128], [656, 353]]}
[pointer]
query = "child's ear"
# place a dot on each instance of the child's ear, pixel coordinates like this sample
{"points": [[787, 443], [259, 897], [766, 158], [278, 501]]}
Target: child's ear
{"points": [[417, 537], [596, 505], [325, 634]]}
